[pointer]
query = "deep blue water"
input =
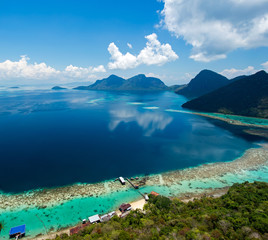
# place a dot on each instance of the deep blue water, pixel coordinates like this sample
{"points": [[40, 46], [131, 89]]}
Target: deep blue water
{"points": [[50, 138]]}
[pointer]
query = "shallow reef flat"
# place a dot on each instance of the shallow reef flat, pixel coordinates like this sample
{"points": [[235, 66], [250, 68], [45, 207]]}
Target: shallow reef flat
{"points": [[170, 183], [63, 207], [231, 119]]}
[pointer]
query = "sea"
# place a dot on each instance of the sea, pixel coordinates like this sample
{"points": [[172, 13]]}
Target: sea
{"points": [[50, 139]]}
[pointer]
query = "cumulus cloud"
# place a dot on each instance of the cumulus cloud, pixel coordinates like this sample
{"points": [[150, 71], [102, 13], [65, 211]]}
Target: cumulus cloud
{"points": [[23, 69], [233, 72], [80, 72], [265, 66], [215, 28], [129, 45], [154, 53]]}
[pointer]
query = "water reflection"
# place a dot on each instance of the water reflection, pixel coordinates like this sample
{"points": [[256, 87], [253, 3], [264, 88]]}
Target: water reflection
{"points": [[150, 122]]}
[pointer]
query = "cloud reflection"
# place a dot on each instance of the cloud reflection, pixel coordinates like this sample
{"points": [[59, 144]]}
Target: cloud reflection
{"points": [[148, 121]]}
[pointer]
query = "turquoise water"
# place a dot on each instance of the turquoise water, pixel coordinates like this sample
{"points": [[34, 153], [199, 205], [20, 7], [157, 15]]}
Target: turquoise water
{"points": [[246, 120], [72, 212]]}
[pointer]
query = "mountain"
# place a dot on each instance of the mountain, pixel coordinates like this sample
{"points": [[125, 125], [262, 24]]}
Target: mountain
{"points": [[138, 82], [58, 88], [141, 82], [204, 82], [238, 78], [247, 96]]}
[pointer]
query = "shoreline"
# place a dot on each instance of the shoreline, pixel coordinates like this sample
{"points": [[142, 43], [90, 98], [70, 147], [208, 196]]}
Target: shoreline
{"points": [[138, 204], [228, 118], [253, 158], [64, 207]]}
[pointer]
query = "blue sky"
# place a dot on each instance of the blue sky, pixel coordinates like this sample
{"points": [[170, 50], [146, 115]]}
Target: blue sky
{"points": [[81, 41]]}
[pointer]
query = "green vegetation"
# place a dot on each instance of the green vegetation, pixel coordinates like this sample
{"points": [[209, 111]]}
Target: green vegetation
{"points": [[138, 82], [246, 96], [242, 213]]}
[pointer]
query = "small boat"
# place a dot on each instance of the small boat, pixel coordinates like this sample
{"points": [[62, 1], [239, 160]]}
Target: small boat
{"points": [[116, 179], [137, 178], [132, 178]]}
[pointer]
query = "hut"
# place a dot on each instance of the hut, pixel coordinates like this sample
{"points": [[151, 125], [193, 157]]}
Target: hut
{"points": [[125, 207], [94, 219], [107, 217], [146, 197], [154, 193], [17, 232], [122, 180]]}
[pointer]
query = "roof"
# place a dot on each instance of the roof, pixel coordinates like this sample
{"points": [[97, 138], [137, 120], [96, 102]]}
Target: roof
{"points": [[94, 218], [124, 206], [121, 179], [105, 218], [154, 193], [111, 214], [16, 230]]}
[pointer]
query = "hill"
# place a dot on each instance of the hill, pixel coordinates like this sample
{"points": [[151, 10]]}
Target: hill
{"points": [[204, 82], [115, 83], [242, 213], [247, 96], [58, 88]]}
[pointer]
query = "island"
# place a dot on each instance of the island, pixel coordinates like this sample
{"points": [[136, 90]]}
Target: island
{"points": [[247, 96], [138, 83]]}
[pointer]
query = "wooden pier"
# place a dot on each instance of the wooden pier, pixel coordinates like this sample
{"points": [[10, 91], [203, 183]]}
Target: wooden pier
{"points": [[136, 187]]}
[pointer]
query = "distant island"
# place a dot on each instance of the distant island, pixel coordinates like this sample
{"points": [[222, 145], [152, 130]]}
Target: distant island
{"points": [[139, 82], [58, 88], [246, 96]]}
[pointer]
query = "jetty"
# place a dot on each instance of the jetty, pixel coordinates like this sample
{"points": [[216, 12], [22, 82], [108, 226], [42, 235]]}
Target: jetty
{"points": [[137, 188]]}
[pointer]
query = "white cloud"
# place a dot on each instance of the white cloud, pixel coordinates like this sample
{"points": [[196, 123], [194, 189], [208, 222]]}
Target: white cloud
{"points": [[154, 53], [129, 45], [214, 28], [25, 70], [22, 69], [265, 66], [233, 72], [79, 72]]}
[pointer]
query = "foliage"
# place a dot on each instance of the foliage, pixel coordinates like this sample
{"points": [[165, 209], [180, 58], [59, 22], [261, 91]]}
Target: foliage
{"points": [[242, 213]]}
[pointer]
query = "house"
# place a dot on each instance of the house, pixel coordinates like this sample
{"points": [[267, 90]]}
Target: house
{"points": [[17, 232], [122, 180], [94, 219], [125, 207], [154, 193], [107, 217], [146, 197]]}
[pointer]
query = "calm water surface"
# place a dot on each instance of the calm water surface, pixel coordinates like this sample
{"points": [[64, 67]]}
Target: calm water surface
{"points": [[50, 138]]}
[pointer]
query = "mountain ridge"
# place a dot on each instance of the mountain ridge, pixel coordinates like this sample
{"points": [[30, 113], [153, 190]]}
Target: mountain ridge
{"points": [[137, 82], [204, 82], [247, 96]]}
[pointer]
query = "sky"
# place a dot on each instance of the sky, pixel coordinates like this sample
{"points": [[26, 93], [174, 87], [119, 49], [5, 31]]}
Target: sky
{"points": [[73, 42]]}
